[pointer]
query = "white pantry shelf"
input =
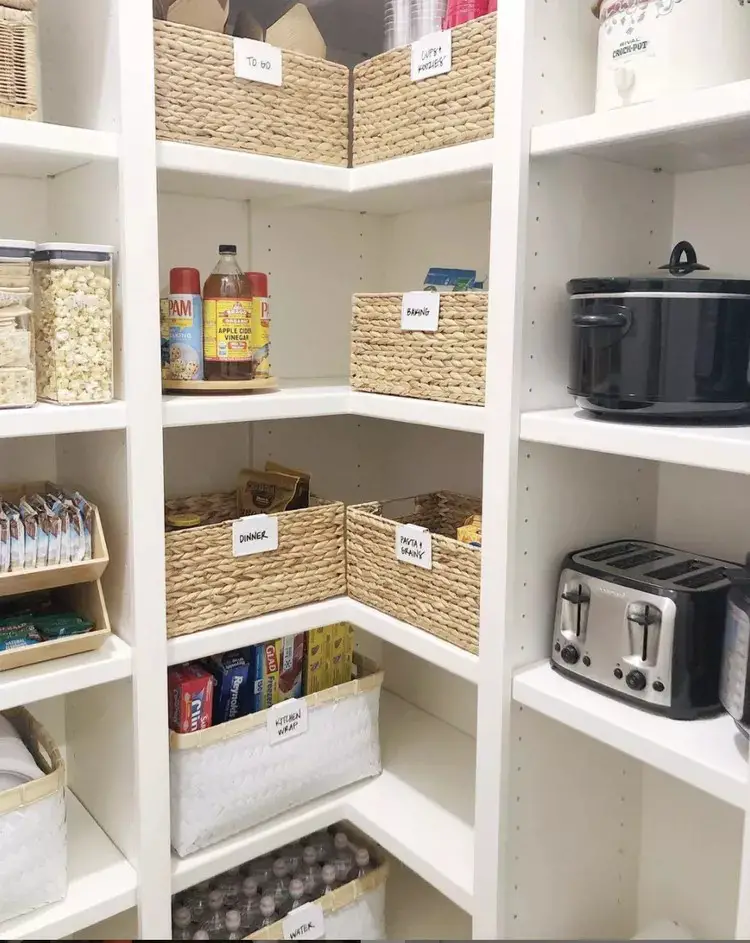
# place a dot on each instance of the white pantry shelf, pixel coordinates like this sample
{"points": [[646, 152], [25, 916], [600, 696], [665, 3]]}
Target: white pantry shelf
{"points": [[111, 662], [420, 808], [101, 884], [50, 419], [300, 401], [709, 754], [722, 448], [36, 149], [696, 131]]}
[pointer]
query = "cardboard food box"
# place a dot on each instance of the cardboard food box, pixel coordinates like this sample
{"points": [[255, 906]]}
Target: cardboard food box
{"points": [[205, 14]]}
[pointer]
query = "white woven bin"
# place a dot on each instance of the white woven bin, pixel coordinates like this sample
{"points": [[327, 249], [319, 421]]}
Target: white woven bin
{"points": [[33, 836], [230, 778], [355, 911]]}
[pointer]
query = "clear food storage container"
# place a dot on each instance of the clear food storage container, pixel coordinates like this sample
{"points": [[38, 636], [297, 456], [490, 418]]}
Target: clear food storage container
{"points": [[17, 377], [73, 302]]}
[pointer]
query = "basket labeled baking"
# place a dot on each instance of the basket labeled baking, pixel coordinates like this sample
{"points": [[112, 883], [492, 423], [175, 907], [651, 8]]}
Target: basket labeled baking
{"points": [[19, 63], [208, 585], [33, 836], [354, 911], [403, 559], [231, 777], [391, 354], [200, 99], [395, 116]]}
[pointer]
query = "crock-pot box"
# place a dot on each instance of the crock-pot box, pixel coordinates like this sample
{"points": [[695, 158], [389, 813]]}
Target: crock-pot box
{"points": [[444, 600], [354, 911], [395, 117], [447, 365], [19, 62], [674, 344], [199, 100], [652, 48], [33, 835], [207, 585], [229, 778]]}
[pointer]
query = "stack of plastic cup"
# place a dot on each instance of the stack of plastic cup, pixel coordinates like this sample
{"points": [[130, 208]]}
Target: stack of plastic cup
{"points": [[397, 24], [426, 17], [461, 11]]}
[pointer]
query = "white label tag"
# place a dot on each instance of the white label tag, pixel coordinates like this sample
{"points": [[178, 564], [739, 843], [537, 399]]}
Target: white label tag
{"points": [[256, 534], [431, 55], [258, 62], [304, 923], [414, 545], [420, 311], [286, 720]]}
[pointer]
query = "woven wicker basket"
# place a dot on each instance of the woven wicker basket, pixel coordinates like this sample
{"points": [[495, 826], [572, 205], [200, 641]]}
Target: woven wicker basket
{"points": [[207, 585], [394, 117], [199, 100], [18, 59], [443, 601], [446, 365]]}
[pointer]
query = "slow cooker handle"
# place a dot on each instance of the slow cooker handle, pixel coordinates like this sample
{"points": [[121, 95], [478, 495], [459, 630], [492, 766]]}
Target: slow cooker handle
{"points": [[608, 316], [691, 264]]}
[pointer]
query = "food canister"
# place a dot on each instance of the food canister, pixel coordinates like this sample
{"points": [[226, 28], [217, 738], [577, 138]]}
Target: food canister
{"points": [[17, 373], [649, 49], [73, 322]]}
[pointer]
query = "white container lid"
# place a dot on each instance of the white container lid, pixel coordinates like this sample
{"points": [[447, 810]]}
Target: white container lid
{"points": [[17, 244], [73, 247]]}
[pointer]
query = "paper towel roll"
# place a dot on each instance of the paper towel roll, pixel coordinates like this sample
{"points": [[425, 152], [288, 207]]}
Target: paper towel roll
{"points": [[17, 765]]}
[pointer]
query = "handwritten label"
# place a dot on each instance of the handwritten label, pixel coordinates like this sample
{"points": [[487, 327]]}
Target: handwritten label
{"points": [[304, 923], [258, 62], [414, 545], [431, 55], [256, 534], [286, 720], [420, 311]]}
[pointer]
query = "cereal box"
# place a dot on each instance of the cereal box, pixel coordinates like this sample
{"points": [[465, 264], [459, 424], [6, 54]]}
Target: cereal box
{"points": [[277, 671], [318, 660], [232, 674], [190, 698]]}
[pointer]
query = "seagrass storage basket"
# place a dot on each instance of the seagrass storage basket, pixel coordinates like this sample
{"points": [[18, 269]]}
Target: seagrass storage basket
{"points": [[446, 365], [33, 835], [233, 777], [199, 99], [443, 601], [395, 117], [207, 585], [19, 65]]}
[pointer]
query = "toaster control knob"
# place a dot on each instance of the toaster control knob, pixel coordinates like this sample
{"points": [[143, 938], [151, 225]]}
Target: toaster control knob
{"points": [[570, 655], [636, 680]]}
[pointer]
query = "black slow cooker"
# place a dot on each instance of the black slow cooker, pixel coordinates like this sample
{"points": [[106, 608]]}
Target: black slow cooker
{"points": [[674, 345]]}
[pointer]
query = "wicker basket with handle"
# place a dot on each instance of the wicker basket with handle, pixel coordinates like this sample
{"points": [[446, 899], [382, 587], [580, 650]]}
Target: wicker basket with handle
{"points": [[19, 64], [443, 601], [199, 99], [395, 117], [446, 365], [207, 585]]}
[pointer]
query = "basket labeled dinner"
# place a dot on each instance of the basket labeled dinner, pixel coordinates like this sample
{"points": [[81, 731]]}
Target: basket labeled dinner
{"points": [[224, 563], [445, 364], [33, 835], [231, 777], [200, 99], [419, 560], [395, 116]]}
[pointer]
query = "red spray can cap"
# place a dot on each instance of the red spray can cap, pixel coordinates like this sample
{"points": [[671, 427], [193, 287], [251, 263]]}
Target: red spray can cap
{"points": [[258, 283], [184, 281]]}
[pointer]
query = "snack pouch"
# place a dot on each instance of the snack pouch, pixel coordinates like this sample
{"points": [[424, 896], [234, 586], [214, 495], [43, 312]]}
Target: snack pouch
{"points": [[87, 517], [301, 497], [20, 635], [75, 533], [44, 530], [17, 537], [4, 542], [59, 513], [31, 528], [265, 492]]}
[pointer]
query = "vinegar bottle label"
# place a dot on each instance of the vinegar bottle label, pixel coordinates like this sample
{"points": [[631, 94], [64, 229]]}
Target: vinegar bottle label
{"points": [[228, 330]]}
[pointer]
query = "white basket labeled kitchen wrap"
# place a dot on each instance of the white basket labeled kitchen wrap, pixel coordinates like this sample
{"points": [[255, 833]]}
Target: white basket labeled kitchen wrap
{"points": [[33, 836], [231, 777], [355, 911]]}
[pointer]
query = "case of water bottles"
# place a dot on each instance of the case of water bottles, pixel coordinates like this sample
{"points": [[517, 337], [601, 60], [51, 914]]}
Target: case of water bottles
{"points": [[336, 875], [232, 777]]}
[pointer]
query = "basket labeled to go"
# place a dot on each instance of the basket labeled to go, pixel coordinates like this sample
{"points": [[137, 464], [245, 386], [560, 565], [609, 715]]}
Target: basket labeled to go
{"points": [[395, 116], [231, 777], [211, 580], [404, 559], [354, 911], [203, 98], [33, 837], [19, 64], [393, 353]]}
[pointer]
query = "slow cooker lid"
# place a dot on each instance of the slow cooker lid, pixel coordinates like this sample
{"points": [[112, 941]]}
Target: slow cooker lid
{"points": [[683, 273]]}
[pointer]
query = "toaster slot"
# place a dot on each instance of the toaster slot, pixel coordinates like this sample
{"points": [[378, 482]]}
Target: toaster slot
{"points": [[704, 579], [678, 569], [576, 600], [639, 559], [644, 631], [610, 552]]}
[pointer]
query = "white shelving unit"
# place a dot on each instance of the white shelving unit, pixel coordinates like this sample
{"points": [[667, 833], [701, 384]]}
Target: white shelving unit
{"points": [[592, 819]]}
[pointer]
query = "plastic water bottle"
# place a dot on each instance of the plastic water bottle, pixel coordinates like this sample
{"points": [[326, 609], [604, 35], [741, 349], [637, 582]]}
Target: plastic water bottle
{"points": [[292, 855], [296, 893], [321, 842], [249, 906], [262, 871], [362, 863], [182, 920], [214, 923], [232, 924], [267, 911], [279, 887], [328, 874], [343, 859], [426, 17], [229, 885], [201, 935], [196, 900], [310, 871], [397, 24]]}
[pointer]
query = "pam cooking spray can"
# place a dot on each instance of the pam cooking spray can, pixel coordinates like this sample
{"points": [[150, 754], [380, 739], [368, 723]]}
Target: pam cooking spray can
{"points": [[185, 324], [261, 326]]}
